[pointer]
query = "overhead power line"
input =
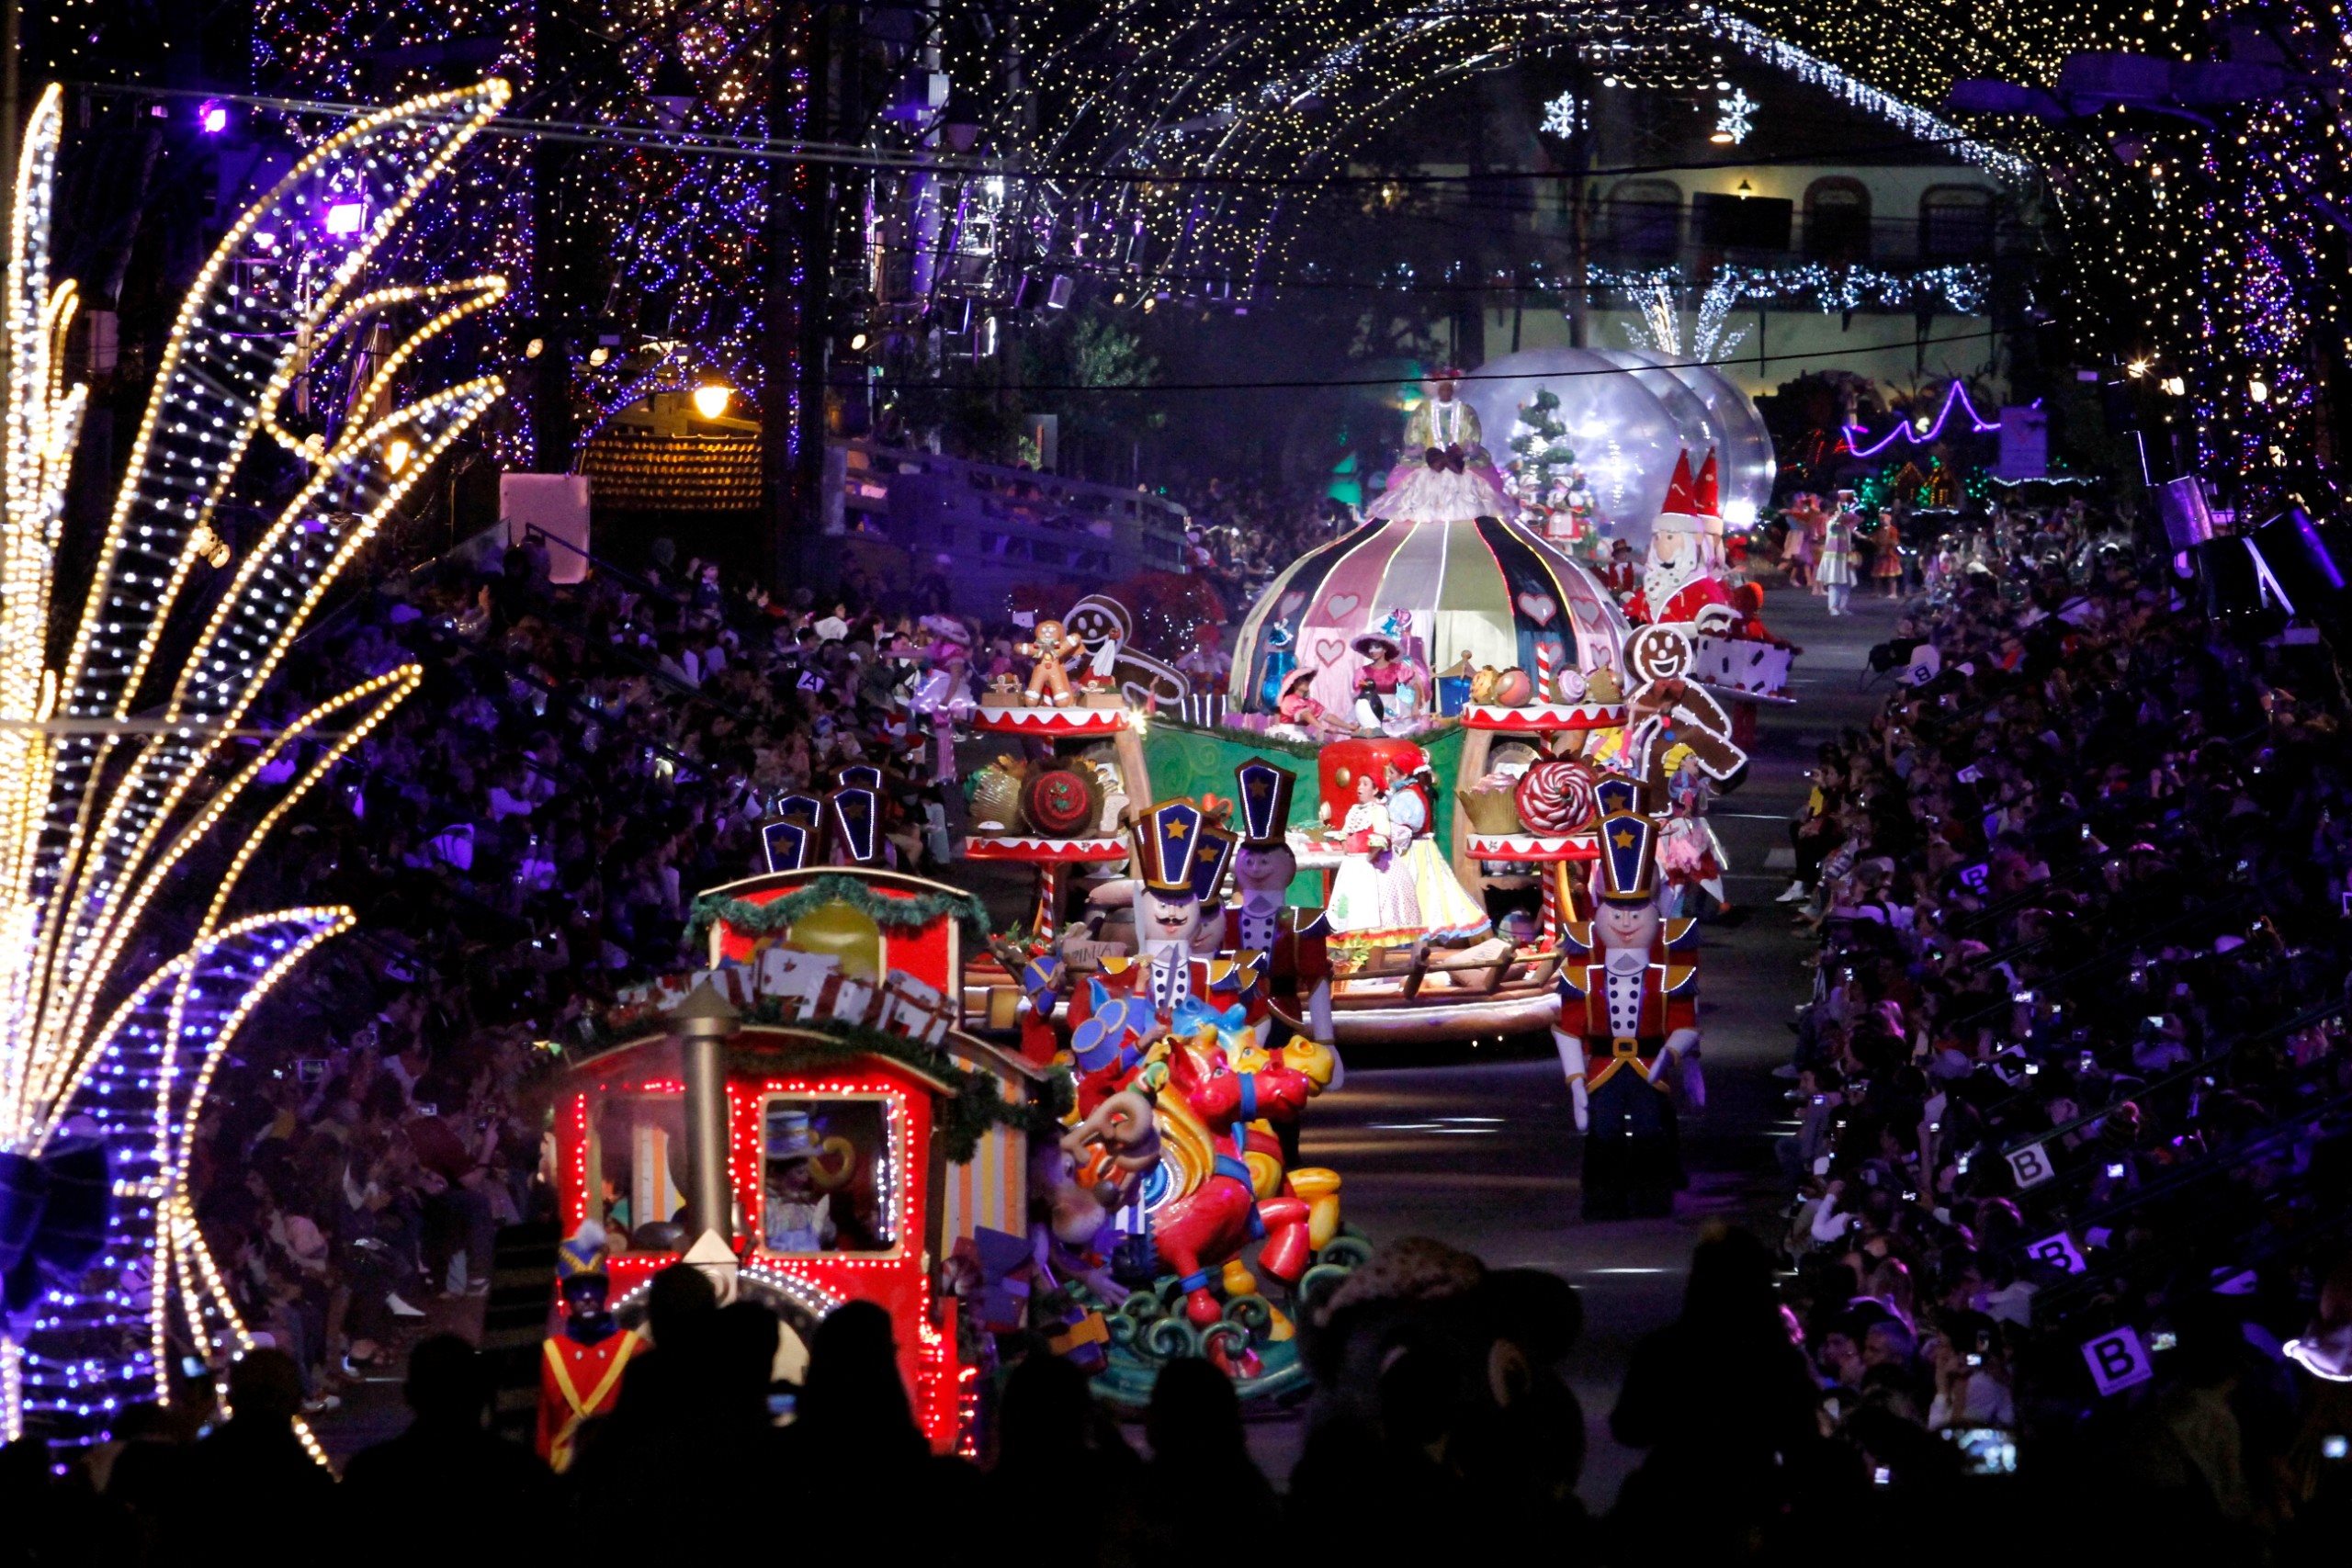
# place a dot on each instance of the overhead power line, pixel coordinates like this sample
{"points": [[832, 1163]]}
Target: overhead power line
{"points": [[1317, 384], [652, 139]]}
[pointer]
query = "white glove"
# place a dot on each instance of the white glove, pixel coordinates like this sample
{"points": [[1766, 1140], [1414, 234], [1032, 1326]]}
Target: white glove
{"points": [[1682, 1050], [1571, 1050]]}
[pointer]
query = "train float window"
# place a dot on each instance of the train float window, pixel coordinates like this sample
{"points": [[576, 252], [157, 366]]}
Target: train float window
{"points": [[827, 1178], [641, 1165]]}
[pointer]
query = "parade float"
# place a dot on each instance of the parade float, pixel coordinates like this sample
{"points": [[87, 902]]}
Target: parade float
{"points": [[806, 1116], [815, 1116], [1556, 677]]}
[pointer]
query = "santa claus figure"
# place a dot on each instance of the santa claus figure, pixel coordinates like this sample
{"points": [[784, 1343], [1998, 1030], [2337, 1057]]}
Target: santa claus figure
{"points": [[1628, 1032], [1679, 578]]}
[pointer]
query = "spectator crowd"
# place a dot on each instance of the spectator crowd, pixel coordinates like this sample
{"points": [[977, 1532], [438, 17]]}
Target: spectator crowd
{"points": [[2061, 1271], [525, 835], [2070, 1173]]}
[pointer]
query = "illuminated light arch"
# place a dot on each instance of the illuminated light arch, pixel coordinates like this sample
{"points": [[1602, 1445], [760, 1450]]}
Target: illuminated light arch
{"points": [[114, 769], [1206, 94]]}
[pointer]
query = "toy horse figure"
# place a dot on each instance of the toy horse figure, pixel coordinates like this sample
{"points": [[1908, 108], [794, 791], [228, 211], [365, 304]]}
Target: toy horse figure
{"points": [[1317, 1063], [1205, 1110]]}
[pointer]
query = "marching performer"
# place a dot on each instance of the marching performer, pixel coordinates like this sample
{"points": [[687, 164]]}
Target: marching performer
{"points": [[1628, 1029], [1293, 960], [580, 1368]]}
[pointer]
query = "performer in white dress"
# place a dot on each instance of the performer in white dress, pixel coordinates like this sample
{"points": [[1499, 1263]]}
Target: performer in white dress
{"points": [[1367, 905], [1445, 475], [1449, 915]]}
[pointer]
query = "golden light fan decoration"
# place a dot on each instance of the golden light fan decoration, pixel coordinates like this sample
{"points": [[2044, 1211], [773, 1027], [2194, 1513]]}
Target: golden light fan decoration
{"points": [[128, 738]]}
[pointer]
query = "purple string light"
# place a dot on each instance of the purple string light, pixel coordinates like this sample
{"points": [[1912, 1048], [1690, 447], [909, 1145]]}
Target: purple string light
{"points": [[1955, 393]]}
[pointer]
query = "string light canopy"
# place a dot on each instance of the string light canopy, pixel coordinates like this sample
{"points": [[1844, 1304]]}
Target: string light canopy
{"points": [[680, 265], [1243, 111], [108, 1051]]}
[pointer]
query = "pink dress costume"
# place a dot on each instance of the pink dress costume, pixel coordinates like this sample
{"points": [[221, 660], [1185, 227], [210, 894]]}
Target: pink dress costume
{"points": [[1445, 475]]}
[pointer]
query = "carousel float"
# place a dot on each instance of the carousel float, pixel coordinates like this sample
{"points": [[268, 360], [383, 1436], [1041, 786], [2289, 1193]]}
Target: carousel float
{"points": [[1562, 680]]}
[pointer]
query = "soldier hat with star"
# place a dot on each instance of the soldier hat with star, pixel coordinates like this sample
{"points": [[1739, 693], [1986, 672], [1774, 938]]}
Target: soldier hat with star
{"points": [[1266, 791], [1167, 840], [1626, 872]]}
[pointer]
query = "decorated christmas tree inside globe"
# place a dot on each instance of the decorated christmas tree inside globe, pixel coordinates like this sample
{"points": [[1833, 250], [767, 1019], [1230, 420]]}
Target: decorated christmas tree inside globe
{"points": [[1543, 475]]}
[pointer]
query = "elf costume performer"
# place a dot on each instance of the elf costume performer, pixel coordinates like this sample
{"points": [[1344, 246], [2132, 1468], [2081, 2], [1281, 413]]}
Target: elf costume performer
{"points": [[580, 1368], [1628, 1031]]}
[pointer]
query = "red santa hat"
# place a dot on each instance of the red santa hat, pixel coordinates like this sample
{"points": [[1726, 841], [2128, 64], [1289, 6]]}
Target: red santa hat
{"points": [[1680, 511], [1705, 492]]}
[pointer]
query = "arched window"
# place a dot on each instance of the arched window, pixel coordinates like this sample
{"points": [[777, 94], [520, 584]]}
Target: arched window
{"points": [[1955, 223], [1644, 219], [1838, 221]]}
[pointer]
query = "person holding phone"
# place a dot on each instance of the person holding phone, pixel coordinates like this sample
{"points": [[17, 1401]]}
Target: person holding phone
{"points": [[1972, 1371]]}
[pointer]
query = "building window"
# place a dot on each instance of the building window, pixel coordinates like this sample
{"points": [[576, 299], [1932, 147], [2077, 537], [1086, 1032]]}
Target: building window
{"points": [[1722, 221], [1838, 221], [1644, 219], [1955, 223]]}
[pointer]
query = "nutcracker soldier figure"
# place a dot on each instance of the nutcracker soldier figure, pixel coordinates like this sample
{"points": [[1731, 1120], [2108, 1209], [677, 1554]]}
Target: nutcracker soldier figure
{"points": [[580, 1368], [1295, 968], [1285, 945], [1628, 1031], [1182, 855]]}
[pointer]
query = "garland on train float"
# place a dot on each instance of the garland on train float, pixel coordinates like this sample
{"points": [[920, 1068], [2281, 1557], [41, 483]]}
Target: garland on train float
{"points": [[768, 918]]}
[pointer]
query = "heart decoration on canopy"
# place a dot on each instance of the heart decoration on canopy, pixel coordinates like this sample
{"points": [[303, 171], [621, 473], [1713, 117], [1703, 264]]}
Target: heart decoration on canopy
{"points": [[1329, 650], [1340, 606], [1539, 607]]}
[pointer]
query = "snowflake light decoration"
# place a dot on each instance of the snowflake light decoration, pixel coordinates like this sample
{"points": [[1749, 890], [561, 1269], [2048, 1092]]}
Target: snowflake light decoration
{"points": [[1734, 116], [1564, 115]]}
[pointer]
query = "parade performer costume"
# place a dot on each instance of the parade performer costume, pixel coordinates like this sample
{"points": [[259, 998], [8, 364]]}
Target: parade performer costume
{"points": [[1445, 475], [1676, 582], [580, 1368], [1388, 694], [1299, 709], [1277, 664], [1367, 905], [1628, 1027], [1449, 914], [1290, 945], [1836, 571], [1183, 855]]}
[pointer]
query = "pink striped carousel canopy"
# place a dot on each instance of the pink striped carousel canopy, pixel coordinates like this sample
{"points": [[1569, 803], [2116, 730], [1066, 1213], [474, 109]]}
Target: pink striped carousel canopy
{"points": [[1483, 587]]}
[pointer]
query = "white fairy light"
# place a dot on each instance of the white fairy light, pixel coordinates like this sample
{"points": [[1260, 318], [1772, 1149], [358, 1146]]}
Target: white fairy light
{"points": [[98, 808]]}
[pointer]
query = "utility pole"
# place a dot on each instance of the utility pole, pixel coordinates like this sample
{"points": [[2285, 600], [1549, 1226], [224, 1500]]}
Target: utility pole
{"points": [[799, 234], [1580, 134], [553, 429]]}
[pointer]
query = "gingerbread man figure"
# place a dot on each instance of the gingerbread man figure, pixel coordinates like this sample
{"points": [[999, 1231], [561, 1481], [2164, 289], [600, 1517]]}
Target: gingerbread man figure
{"points": [[1054, 650]]}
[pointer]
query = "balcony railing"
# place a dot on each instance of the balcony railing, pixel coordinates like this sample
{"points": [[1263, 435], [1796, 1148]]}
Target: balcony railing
{"points": [[1635, 235]]}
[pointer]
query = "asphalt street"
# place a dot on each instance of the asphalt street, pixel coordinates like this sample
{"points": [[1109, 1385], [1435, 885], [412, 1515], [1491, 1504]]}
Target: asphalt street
{"points": [[1479, 1149]]}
